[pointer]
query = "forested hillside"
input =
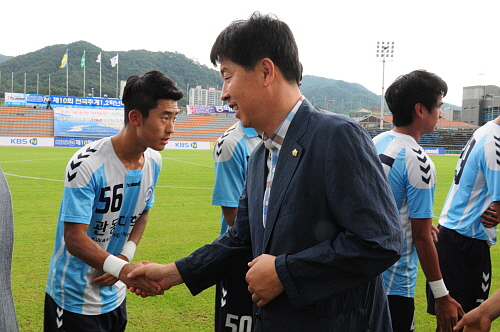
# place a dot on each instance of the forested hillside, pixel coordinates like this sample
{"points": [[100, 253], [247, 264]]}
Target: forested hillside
{"points": [[185, 72], [4, 58]]}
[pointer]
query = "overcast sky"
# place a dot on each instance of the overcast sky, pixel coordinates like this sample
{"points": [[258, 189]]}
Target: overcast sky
{"points": [[458, 40]]}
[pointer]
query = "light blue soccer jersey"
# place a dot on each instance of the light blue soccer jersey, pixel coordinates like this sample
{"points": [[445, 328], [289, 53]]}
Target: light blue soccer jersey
{"points": [[412, 177], [476, 185], [101, 193], [231, 152]]}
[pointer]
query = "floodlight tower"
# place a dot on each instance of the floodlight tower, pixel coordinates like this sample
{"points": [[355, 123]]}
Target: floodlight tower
{"points": [[384, 50]]}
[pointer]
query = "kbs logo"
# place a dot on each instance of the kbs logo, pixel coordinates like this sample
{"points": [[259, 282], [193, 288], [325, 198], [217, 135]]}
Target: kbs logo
{"points": [[23, 141], [186, 145]]}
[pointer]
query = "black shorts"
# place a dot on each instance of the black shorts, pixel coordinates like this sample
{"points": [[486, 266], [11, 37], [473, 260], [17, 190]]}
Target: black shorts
{"points": [[466, 268], [57, 319], [402, 313], [233, 302]]}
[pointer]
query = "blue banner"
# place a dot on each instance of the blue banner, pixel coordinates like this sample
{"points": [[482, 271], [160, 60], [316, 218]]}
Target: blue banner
{"points": [[72, 142], [434, 150], [201, 109], [42, 101]]}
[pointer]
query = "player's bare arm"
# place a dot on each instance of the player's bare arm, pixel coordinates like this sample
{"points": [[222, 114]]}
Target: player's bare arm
{"points": [[447, 309], [82, 247]]}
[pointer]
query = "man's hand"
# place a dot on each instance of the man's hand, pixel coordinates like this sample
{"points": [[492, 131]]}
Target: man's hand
{"points": [[489, 217], [148, 287], [263, 281], [447, 313], [474, 321], [434, 233], [166, 276]]}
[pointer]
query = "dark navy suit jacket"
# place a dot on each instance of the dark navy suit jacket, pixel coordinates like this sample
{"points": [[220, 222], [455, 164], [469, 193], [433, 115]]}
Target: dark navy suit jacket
{"points": [[332, 223]]}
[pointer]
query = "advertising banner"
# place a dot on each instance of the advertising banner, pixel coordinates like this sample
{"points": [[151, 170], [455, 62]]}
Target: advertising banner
{"points": [[15, 99], [204, 109], [72, 142], [434, 150], [187, 145], [87, 123], [42, 101], [27, 141]]}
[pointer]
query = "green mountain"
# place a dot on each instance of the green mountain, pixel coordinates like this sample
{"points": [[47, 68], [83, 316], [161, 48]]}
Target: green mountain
{"points": [[47, 61], [338, 96], [342, 97], [37, 67], [4, 58]]}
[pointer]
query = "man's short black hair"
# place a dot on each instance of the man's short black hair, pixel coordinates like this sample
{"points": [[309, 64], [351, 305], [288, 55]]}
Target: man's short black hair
{"points": [[246, 42], [143, 92], [419, 86]]}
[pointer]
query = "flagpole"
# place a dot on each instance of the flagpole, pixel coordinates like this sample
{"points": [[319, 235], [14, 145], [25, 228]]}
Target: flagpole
{"points": [[117, 75], [100, 74], [67, 74], [84, 65]]}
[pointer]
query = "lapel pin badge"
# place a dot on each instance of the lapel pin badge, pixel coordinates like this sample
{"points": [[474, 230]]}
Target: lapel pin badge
{"points": [[295, 152]]}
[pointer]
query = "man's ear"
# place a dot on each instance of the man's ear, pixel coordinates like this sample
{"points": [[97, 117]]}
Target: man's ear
{"points": [[268, 69], [135, 117], [419, 110]]}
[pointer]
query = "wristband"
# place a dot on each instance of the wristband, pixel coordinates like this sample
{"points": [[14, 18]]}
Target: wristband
{"points": [[438, 288], [113, 265], [129, 250]]}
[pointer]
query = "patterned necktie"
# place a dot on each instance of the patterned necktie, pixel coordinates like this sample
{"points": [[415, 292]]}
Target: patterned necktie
{"points": [[272, 160]]}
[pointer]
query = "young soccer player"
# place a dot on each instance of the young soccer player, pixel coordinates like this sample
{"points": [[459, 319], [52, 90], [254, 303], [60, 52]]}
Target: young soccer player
{"points": [[108, 191]]}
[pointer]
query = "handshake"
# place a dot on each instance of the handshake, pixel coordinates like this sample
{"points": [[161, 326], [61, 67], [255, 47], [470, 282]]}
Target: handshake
{"points": [[150, 279]]}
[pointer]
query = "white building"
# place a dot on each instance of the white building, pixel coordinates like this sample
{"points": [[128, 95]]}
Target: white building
{"points": [[199, 96]]}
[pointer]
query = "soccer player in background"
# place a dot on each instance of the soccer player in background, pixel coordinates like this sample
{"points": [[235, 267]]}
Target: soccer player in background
{"points": [[231, 152], [465, 233], [108, 191], [414, 100]]}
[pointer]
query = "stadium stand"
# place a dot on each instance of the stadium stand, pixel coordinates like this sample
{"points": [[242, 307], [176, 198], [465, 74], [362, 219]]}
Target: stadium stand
{"points": [[26, 122], [39, 122], [201, 128], [450, 140], [460, 138]]}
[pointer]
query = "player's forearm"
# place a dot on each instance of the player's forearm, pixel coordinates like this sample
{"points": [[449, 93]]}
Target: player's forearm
{"points": [[429, 260], [426, 250], [83, 248], [229, 214]]}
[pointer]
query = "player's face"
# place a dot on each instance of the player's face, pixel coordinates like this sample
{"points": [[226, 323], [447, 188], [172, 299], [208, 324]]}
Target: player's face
{"points": [[241, 91], [433, 118], [159, 125]]}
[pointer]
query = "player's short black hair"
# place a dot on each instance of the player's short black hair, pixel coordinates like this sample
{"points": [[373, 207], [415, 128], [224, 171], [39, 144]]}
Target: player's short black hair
{"points": [[246, 42], [419, 86], [143, 92]]}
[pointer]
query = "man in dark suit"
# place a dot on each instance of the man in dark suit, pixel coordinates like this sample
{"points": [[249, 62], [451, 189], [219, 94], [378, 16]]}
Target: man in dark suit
{"points": [[316, 212]]}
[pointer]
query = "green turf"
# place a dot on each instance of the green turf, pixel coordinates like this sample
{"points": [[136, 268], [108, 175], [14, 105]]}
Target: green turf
{"points": [[181, 220]]}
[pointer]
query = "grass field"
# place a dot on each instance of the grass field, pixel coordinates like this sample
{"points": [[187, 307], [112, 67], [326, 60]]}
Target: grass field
{"points": [[181, 220]]}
